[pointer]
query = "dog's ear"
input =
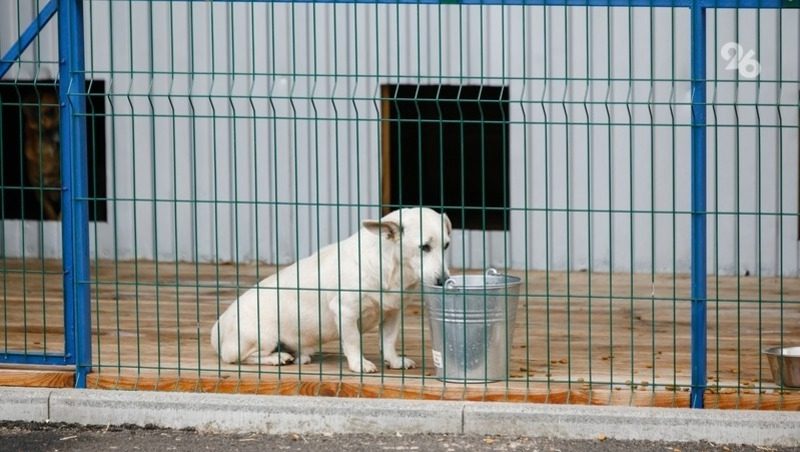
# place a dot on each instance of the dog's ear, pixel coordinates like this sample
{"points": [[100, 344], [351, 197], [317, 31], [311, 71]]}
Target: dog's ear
{"points": [[448, 226], [388, 229]]}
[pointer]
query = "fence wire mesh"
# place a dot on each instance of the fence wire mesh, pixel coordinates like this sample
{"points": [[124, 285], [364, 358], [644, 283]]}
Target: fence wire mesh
{"points": [[228, 140]]}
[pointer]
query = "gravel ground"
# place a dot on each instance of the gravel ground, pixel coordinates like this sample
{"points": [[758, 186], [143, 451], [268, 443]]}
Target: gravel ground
{"points": [[33, 437]]}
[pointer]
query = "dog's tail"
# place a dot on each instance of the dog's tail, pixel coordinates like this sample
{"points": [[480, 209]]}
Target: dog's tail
{"points": [[215, 337]]}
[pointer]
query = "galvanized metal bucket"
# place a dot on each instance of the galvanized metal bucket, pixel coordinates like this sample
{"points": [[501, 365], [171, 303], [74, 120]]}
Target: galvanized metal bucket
{"points": [[471, 319]]}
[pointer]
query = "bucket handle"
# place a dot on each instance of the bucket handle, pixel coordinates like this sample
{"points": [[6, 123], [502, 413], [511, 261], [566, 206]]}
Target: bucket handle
{"points": [[450, 284]]}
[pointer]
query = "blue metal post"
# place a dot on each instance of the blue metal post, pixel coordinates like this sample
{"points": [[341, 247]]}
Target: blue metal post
{"points": [[698, 205], [74, 203]]}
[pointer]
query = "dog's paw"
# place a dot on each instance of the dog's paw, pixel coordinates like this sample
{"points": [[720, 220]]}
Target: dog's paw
{"points": [[365, 366], [401, 363], [284, 358], [273, 359]]}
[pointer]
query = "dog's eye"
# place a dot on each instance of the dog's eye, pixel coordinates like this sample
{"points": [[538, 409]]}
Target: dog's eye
{"points": [[447, 245], [425, 248]]}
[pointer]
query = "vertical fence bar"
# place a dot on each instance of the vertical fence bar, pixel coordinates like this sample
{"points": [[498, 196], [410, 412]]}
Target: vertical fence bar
{"points": [[74, 204], [698, 57]]}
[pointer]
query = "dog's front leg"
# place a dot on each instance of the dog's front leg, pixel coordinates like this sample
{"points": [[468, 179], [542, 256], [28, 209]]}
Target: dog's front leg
{"points": [[346, 312], [391, 329]]}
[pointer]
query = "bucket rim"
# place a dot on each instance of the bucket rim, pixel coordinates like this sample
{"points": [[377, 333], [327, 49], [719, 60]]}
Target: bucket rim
{"points": [[450, 286]]}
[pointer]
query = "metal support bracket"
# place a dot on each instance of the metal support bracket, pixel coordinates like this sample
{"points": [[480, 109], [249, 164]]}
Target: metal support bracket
{"points": [[27, 37]]}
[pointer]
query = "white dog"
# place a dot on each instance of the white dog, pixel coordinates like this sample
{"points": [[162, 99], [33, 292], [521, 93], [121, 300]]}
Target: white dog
{"points": [[328, 295]]}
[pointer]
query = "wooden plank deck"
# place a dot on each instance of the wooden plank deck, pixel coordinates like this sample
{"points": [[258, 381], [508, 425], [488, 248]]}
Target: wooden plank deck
{"points": [[579, 338]]}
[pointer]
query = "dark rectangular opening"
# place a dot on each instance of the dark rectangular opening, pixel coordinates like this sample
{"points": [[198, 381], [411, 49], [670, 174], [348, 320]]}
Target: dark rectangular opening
{"points": [[447, 145], [30, 177]]}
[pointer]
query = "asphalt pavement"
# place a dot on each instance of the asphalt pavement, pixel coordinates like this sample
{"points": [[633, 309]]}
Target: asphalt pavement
{"points": [[52, 437]]}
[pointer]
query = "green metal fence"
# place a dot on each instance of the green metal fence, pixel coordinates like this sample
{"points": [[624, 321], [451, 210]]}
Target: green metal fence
{"points": [[566, 143]]}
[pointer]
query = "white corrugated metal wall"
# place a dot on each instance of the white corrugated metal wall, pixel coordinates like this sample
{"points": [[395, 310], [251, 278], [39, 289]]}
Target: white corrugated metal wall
{"points": [[272, 110]]}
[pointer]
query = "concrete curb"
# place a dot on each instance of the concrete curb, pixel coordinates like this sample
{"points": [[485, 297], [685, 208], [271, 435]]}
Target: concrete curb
{"points": [[758, 428], [246, 413], [24, 404], [302, 414]]}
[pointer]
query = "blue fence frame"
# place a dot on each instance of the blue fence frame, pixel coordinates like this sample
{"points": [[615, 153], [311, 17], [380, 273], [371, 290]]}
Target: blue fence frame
{"points": [[75, 220], [74, 202]]}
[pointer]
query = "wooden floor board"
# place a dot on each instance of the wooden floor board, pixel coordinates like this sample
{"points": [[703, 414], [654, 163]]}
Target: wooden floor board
{"points": [[596, 338]]}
